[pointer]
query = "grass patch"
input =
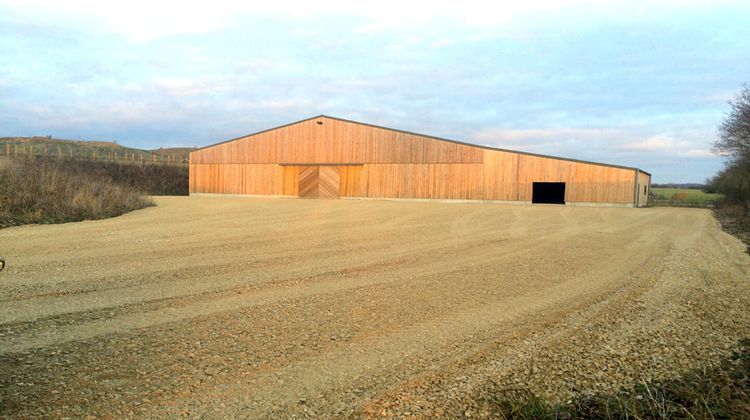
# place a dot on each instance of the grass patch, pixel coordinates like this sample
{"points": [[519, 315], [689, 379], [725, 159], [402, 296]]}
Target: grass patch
{"points": [[47, 191], [719, 392], [683, 197]]}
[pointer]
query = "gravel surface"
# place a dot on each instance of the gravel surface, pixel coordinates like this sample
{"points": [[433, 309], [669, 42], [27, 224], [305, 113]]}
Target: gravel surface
{"points": [[243, 307]]}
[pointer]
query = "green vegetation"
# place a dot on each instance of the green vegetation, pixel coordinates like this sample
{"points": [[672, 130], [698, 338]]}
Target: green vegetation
{"points": [[719, 392], [49, 191], [688, 197]]}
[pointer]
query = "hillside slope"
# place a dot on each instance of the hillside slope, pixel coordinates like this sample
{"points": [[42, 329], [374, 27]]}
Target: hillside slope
{"points": [[24, 147]]}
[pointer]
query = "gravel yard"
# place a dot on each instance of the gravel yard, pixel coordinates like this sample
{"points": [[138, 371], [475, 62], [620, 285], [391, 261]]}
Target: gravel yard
{"points": [[224, 307]]}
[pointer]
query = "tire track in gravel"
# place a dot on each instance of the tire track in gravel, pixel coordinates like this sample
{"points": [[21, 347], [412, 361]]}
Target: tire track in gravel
{"points": [[519, 268], [392, 357], [427, 302], [103, 298], [598, 347], [405, 265]]}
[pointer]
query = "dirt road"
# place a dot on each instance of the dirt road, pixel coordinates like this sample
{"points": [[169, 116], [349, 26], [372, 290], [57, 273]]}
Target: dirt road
{"points": [[267, 307]]}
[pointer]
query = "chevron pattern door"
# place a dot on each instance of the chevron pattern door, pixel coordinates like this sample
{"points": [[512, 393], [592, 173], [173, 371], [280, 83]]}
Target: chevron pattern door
{"points": [[319, 182], [329, 182]]}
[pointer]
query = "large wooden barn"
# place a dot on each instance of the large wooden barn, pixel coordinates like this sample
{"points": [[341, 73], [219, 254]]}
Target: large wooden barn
{"points": [[327, 157]]}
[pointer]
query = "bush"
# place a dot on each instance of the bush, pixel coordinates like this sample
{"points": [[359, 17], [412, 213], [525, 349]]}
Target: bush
{"points": [[147, 178], [680, 196], [45, 191]]}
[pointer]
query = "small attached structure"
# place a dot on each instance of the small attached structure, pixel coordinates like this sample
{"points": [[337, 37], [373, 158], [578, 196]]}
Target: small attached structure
{"points": [[327, 157]]}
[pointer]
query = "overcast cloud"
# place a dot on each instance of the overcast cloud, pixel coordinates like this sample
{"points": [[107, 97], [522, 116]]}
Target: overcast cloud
{"points": [[633, 83]]}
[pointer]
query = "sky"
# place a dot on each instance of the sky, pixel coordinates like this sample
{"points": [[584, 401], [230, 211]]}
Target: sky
{"points": [[640, 84]]}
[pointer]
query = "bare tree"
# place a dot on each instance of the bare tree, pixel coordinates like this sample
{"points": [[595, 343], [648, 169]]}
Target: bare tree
{"points": [[734, 142], [734, 131]]}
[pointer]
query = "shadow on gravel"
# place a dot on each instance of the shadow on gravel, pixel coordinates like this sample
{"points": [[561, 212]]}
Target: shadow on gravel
{"points": [[719, 392]]}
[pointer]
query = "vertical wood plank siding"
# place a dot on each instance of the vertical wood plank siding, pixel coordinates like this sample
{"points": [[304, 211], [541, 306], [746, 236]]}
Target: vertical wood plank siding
{"points": [[394, 164], [336, 141], [309, 182], [644, 180]]}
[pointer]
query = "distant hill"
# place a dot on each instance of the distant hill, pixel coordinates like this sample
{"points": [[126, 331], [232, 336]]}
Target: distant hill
{"points": [[175, 150], [38, 146], [682, 186]]}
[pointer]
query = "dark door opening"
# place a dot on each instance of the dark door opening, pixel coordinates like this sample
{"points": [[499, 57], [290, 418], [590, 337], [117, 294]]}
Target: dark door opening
{"points": [[548, 192]]}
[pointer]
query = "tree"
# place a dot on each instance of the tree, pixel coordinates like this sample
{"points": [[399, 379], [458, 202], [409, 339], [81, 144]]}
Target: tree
{"points": [[734, 182], [734, 142], [734, 131]]}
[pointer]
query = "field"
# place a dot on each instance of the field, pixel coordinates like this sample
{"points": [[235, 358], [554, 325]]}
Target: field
{"points": [[684, 196], [219, 307]]}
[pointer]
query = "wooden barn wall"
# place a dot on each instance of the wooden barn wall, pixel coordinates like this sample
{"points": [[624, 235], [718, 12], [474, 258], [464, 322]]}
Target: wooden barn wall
{"points": [[238, 179], [395, 164], [644, 180], [336, 141], [499, 176], [353, 181], [510, 176], [439, 181]]}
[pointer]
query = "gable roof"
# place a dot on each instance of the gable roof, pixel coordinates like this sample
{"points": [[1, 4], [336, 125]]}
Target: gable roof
{"points": [[426, 136]]}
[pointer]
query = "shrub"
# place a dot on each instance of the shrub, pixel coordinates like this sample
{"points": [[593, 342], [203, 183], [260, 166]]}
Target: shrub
{"points": [[45, 191], [148, 178], [680, 196]]}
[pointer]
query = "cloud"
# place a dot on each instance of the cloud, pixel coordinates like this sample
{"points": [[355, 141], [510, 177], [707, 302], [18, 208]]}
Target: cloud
{"points": [[147, 20], [138, 20], [700, 153], [187, 87], [659, 142], [499, 135], [613, 81], [548, 140]]}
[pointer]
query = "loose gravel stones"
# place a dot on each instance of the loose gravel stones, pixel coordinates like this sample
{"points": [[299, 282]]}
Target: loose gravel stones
{"points": [[206, 307]]}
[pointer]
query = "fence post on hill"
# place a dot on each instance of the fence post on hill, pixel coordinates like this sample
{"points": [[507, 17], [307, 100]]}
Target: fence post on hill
{"points": [[7, 149]]}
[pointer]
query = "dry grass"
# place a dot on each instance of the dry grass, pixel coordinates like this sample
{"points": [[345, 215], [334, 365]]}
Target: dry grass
{"points": [[147, 178], [43, 191], [735, 219], [683, 197]]}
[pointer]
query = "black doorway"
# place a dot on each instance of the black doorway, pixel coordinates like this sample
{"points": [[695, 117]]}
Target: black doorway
{"points": [[548, 192]]}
